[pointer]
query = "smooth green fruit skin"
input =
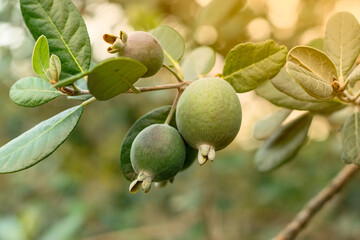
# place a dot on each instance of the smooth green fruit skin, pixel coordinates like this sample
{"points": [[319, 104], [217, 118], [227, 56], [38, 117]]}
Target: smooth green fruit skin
{"points": [[158, 151], [145, 48], [209, 112]]}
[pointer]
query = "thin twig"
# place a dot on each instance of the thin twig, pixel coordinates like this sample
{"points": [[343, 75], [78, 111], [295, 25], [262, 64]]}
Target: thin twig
{"points": [[161, 87], [314, 205], [72, 92], [87, 102], [357, 95], [173, 107]]}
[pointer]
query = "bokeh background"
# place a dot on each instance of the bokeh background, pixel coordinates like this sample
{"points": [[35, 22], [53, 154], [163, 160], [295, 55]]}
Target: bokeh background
{"points": [[79, 191]]}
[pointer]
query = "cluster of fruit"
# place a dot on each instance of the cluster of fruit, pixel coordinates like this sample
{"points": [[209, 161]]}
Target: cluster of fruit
{"points": [[208, 117]]}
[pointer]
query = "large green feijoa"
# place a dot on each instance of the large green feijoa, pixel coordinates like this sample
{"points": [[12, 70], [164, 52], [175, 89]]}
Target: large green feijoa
{"points": [[209, 116], [157, 154]]}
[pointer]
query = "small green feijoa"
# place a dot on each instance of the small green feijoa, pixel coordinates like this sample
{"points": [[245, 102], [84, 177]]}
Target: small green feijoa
{"points": [[157, 154], [138, 45]]}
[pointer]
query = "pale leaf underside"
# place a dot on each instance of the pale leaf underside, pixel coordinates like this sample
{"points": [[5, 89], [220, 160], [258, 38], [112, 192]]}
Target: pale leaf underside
{"points": [[283, 145], [342, 41], [350, 135], [269, 92], [172, 43], [199, 62], [313, 70], [286, 84]]}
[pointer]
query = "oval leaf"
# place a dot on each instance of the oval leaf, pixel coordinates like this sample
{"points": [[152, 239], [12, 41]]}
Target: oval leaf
{"points": [[114, 76], [219, 10], [249, 64], [342, 41], [199, 62], [354, 76], [286, 84], [39, 142], [269, 92], [156, 116], [266, 127], [313, 70], [350, 136], [62, 24], [283, 145], [32, 92], [171, 42], [317, 43], [40, 57]]}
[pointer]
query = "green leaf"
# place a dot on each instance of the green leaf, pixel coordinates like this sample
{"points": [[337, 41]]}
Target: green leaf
{"points": [[249, 64], [313, 70], [283, 145], [62, 24], [317, 43], [199, 62], [32, 92], [40, 57], [286, 84], [70, 80], [269, 92], [354, 76], [342, 41], [39, 142], [114, 76], [350, 136], [156, 116], [54, 71], [171, 42], [266, 127], [217, 11]]}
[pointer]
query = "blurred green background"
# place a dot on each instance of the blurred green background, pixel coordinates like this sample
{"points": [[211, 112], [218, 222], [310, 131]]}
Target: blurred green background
{"points": [[79, 191]]}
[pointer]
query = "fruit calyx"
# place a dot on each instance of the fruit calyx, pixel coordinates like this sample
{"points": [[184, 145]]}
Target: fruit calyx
{"points": [[143, 180], [117, 43], [206, 152]]}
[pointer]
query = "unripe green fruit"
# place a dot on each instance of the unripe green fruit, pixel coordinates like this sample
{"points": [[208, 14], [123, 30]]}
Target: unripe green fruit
{"points": [[157, 154], [208, 116], [145, 48]]}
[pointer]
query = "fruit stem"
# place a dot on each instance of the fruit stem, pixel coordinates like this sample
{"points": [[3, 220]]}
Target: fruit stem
{"points": [[173, 107], [91, 100], [160, 87], [139, 89], [173, 73]]}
